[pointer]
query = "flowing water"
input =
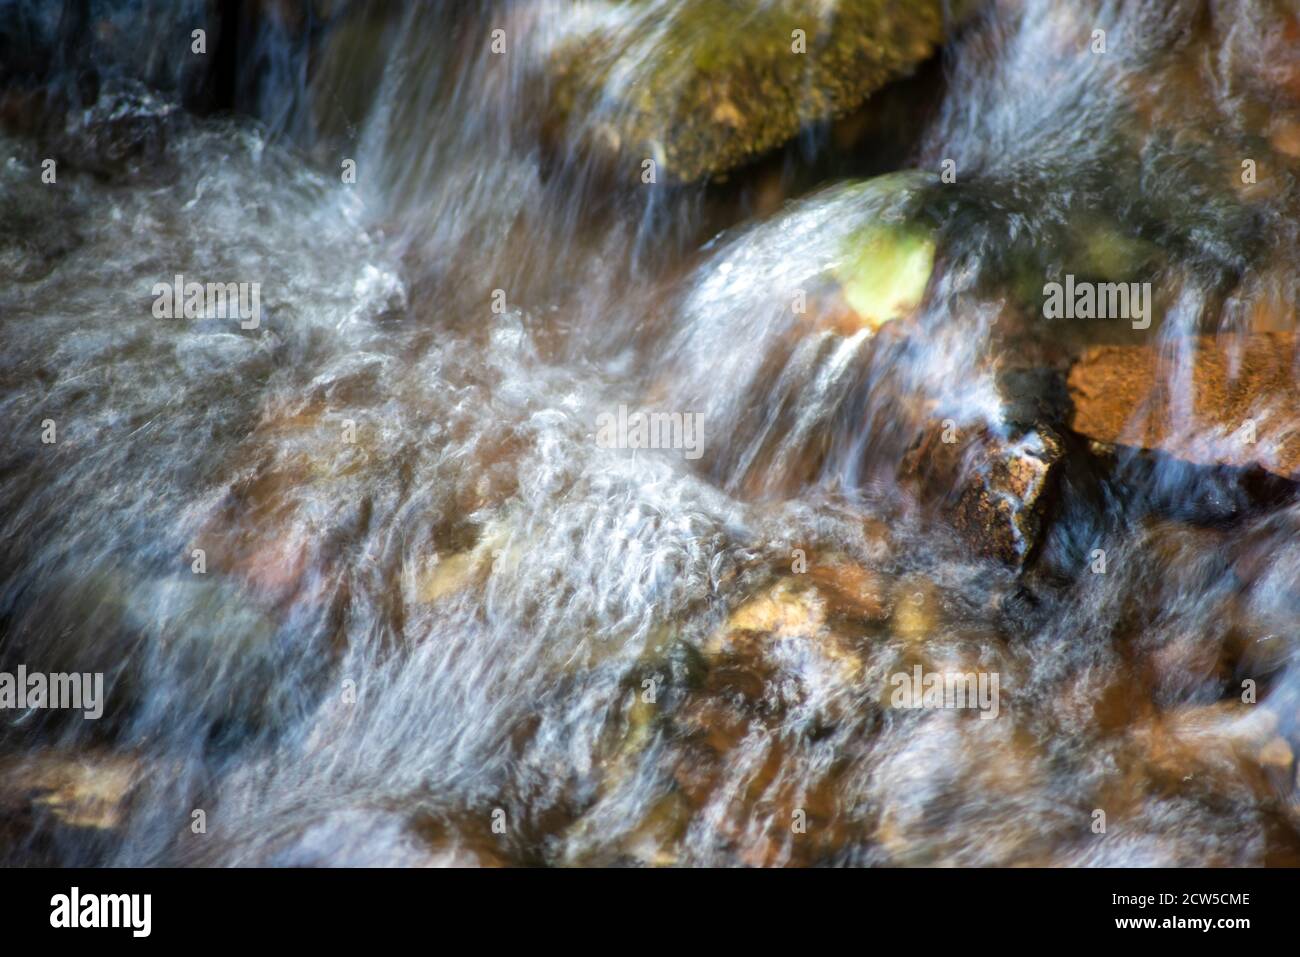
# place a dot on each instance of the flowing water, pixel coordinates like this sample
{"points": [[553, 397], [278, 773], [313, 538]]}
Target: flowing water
{"points": [[439, 621]]}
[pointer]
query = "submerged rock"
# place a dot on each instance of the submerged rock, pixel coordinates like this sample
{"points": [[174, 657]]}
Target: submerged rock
{"points": [[701, 87], [1225, 739], [164, 645], [807, 291], [917, 609], [803, 616], [992, 488], [886, 271], [446, 577], [1240, 411], [87, 790], [881, 271], [124, 132]]}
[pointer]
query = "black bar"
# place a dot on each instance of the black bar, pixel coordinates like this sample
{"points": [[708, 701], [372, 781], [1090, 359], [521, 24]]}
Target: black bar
{"points": [[333, 907]]}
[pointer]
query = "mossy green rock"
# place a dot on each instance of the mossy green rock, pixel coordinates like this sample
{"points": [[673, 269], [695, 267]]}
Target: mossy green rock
{"points": [[884, 266], [703, 86], [885, 275]]}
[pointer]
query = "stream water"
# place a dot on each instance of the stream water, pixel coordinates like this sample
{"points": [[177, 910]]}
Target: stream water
{"points": [[367, 588]]}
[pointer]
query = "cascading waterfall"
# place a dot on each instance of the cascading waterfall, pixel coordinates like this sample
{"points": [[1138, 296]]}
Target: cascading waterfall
{"points": [[438, 621]]}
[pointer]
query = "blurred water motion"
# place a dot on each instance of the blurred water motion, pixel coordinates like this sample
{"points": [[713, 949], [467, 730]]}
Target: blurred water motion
{"points": [[440, 623]]}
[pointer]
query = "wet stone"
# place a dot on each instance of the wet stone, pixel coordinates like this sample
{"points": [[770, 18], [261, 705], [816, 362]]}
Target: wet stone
{"points": [[993, 489], [87, 790], [719, 83], [1242, 409]]}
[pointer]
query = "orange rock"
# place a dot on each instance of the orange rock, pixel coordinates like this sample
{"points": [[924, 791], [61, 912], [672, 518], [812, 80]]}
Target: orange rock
{"points": [[1243, 404], [1277, 753], [853, 588], [1286, 138]]}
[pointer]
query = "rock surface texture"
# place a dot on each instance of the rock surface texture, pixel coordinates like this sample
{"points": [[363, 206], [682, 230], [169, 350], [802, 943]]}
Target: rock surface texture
{"points": [[701, 88], [1241, 412]]}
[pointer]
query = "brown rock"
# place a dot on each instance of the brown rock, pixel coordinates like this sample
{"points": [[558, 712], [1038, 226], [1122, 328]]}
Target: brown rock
{"points": [[1286, 138], [85, 790], [791, 610], [446, 577], [851, 588], [1277, 754], [1122, 396], [1226, 741], [993, 489], [916, 609]]}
